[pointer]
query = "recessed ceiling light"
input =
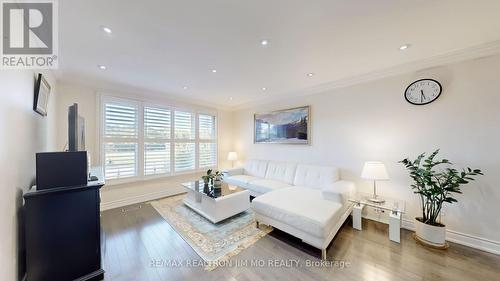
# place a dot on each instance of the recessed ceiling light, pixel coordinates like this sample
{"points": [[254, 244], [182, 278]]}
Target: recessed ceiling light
{"points": [[264, 88], [102, 67], [214, 70], [185, 87], [404, 47], [264, 42], [310, 74], [107, 29]]}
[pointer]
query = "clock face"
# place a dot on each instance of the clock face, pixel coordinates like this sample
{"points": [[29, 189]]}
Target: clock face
{"points": [[423, 91]]}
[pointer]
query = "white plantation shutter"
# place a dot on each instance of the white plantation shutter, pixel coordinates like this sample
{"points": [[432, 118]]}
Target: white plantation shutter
{"points": [[208, 153], [120, 121], [185, 148], [156, 158], [157, 122], [184, 125], [120, 160], [207, 147], [206, 125], [184, 156], [120, 140], [157, 134]]}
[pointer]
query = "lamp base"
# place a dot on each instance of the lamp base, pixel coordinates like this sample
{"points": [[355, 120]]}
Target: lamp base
{"points": [[376, 200]]}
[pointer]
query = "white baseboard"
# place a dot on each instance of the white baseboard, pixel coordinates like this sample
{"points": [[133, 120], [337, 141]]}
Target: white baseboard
{"points": [[472, 241], [468, 240], [408, 224], [139, 199]]}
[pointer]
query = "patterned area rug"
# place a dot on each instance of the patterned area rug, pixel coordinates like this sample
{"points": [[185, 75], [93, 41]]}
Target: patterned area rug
{"points": [[214, 243]]}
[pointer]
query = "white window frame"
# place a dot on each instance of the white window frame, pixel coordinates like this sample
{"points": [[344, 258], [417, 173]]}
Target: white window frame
{"points": [[141, 104]]}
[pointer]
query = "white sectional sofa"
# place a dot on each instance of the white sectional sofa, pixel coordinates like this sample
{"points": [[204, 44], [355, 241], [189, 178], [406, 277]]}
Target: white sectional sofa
{"points": [[308, 202], [260, 176]]}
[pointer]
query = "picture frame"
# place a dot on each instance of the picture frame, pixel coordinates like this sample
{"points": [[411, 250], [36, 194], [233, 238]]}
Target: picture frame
{"points": [[286, 126], [41, 95]]}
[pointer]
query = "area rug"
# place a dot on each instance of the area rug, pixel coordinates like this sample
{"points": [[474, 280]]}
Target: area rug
{"points": [[214, 243]]}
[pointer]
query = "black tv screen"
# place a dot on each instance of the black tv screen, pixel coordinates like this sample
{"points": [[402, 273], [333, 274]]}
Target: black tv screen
{"points": [[76, 129]]}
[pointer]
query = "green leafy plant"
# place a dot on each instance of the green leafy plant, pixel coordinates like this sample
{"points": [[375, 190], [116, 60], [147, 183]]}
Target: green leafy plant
{"points": [[206, 178], [218, 175], [210, 176], [436, 184]]}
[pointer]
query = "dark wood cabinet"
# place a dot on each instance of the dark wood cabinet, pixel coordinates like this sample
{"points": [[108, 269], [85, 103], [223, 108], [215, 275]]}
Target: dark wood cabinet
{"points": [[63, 233]]}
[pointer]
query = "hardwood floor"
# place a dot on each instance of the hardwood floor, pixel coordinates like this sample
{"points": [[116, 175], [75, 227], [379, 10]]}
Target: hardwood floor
{"points": [[137, 235]]}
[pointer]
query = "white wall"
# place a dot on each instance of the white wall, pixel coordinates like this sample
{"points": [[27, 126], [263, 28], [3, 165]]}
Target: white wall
{"points": [[123, 194], [373, 121], [23, 132], [224, 138]]}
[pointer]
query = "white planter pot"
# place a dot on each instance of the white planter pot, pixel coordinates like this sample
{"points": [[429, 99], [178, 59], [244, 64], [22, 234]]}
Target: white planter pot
{"points": [[431, 235]]}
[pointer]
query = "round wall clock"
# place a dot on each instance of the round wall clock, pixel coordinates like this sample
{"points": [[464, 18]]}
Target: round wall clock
{"points": [[423, 91]]}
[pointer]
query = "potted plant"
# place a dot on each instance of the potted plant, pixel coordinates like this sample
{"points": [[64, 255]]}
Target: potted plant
{"points": [[436, 185], [206, 178], [218, 179]]}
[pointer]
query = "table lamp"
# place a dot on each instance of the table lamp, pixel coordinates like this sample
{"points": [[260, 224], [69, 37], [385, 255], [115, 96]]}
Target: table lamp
{"points": [[232, 156], [374, 170]]}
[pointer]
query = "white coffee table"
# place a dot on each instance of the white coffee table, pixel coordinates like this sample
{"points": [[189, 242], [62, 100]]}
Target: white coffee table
{"points": [[216, 204]]}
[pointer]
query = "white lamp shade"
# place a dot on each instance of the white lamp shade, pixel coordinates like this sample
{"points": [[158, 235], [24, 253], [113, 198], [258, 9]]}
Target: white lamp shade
{"points": [[374, 170], [232, 156]]}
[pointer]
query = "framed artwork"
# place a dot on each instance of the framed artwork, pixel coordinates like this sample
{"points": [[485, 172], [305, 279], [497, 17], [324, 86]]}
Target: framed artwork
{"points": [[288, 126], [42, 92]]}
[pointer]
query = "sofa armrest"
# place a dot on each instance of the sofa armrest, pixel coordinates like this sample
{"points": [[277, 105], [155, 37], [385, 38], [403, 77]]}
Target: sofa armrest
{"points": [[232, 172], [339, 191]]}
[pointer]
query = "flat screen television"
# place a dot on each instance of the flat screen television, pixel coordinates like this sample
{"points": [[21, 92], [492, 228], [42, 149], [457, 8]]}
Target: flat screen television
{"points": [[76, 129]]}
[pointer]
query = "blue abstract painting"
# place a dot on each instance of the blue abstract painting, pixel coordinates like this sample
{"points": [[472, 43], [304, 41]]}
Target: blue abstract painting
{"points": [[289, 126]]}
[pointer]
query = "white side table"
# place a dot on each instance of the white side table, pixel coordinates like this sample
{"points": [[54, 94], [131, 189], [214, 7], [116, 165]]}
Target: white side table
{"points": [[395, 208]]}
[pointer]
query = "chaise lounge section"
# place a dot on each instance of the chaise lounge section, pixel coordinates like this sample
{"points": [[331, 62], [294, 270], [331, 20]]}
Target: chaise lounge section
{"points": [[308, 202]]}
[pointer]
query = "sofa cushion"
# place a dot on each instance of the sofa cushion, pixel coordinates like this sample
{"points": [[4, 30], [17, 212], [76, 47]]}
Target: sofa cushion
{"points": [[265, 185], [315, 176], [240, 180], [256, 168], [233, 172], [281, 171], [340, 191], [300, 207]]}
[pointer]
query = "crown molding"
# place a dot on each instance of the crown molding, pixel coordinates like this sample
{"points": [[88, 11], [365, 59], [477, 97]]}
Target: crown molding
{"points": [[455, 56]]}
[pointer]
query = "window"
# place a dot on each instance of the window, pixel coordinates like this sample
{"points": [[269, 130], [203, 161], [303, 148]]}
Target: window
{"points": [[120, 140], [142, 140], [185, 154], [208, 153], [156, 158], [207, 143], [157, 132], [184, 125]]}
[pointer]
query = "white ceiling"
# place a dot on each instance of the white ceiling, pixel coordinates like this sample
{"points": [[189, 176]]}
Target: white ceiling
{"points": [[163, 45]]}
